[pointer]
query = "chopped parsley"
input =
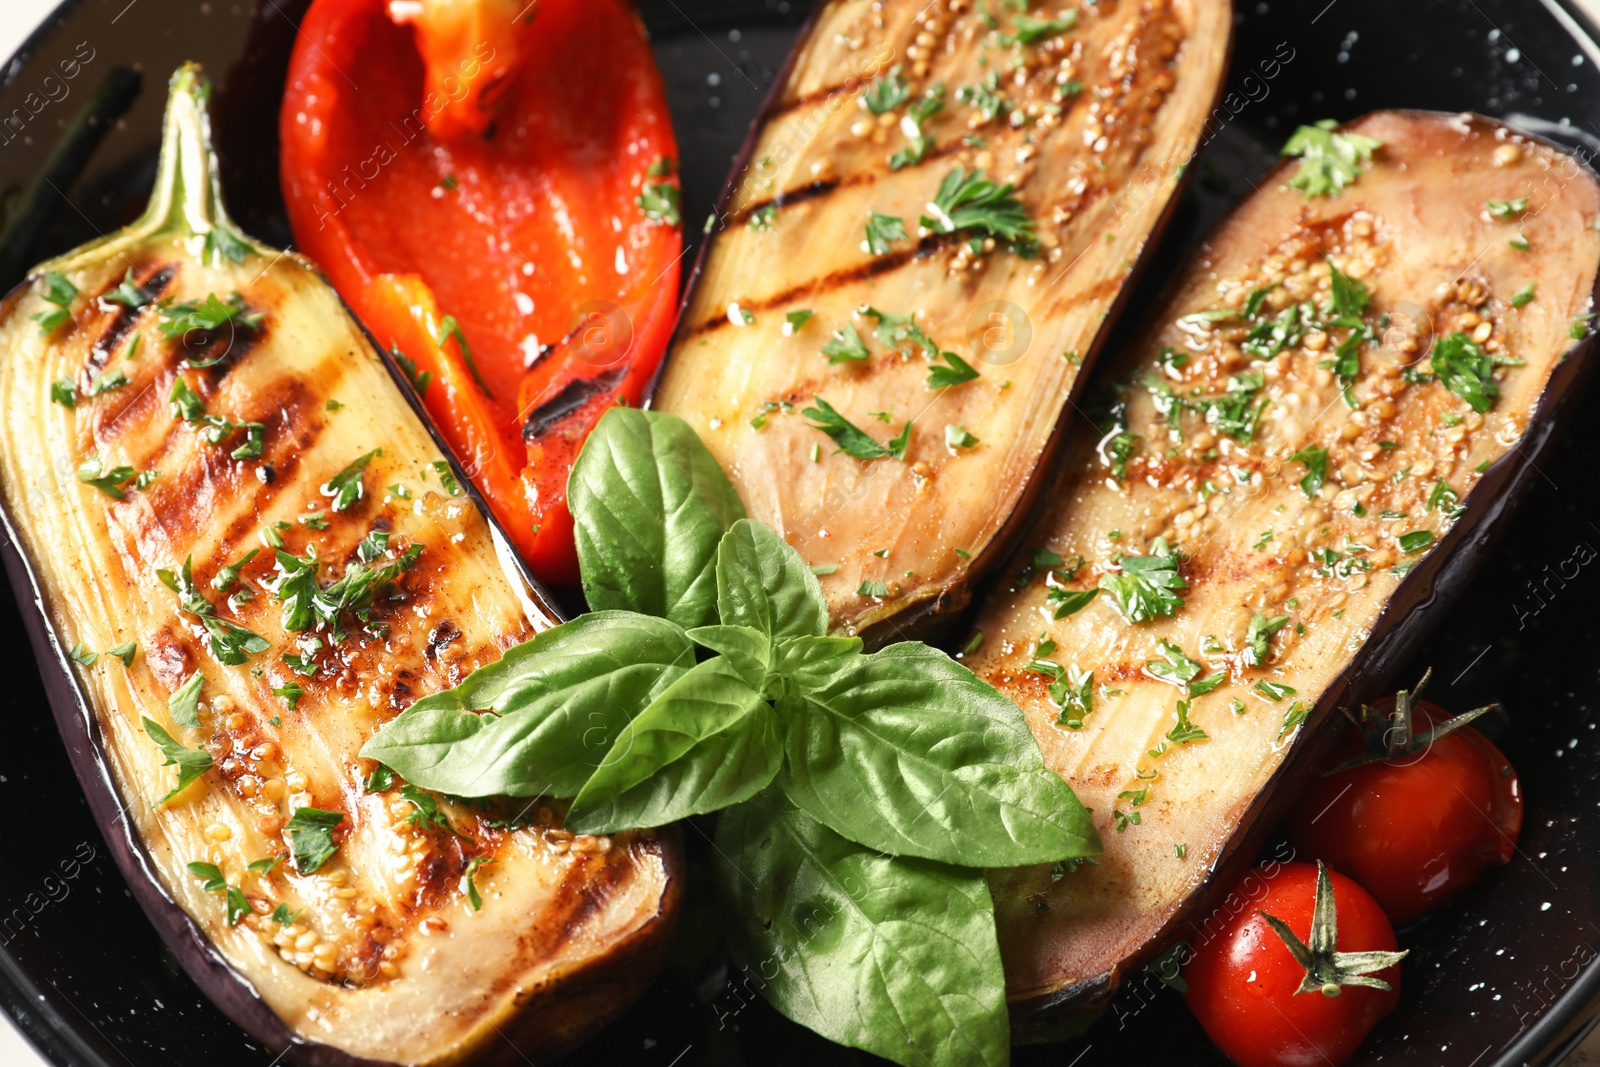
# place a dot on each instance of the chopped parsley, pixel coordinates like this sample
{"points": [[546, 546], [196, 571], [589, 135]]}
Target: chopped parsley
{"points": [[984, 97], [1273, 691], [206, 315], [127, 293], [662, 203], [1415, 541], [345, 487], [887, 92], [850, 438], [1466, 370], [1444, 498], [109, 482], [64, 392], [108, 382], [1297, 713], [900, 332], [1258, 640], [1071, 689], [1523, 296], [373, 545], [1349, 296], [1316, 463], [425, 813], [845, 346], [1178, 670], [917, 142], [971, 202], [1144, 588], [220, 244], [763, 218], [60, 292], [1185, 731], [184, 703], [448, 328], [957, 371], [1329, 160], [872, 587], [211, 881], [958, 437], [191, 762], [311, 837], [447, 478], [231, 643], [794, 320], [419, 379], [291, 693], [1025, 29], [883, 231], [1069, 602], [307, 604], [472, 889], [225, 578], [1507, 209]]}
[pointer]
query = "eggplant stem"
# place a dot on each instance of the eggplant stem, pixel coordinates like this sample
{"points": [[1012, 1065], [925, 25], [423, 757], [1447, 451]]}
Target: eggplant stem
{"points": [[187, 198]]}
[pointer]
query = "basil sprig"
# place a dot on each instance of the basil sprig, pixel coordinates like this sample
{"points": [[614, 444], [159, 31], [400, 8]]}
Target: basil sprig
{"points": [[707, 682]]}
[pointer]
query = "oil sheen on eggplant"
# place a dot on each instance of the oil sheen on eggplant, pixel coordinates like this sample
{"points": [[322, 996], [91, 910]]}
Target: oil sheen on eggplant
{"points": [[1356, 569], [1091, 119], [379, 956]]}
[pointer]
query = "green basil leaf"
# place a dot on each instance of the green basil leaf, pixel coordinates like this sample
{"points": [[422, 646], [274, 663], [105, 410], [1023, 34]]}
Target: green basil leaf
{"points": [[559, 701], [762, 582], [746, 649], [649, 505], [708, 741], [894, 956], [954, 771], [811, 661]]}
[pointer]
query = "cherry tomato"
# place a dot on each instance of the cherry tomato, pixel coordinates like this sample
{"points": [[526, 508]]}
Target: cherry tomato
{"points": [[1254, 997], [1416, 829]]}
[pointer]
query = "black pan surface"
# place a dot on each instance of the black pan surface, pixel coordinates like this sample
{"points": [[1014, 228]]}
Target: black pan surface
{"points": [[1504, 976]]}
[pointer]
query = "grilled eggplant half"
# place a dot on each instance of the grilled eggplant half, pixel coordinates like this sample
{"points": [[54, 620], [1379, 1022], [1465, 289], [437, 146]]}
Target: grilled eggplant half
{"points": [[930, 178], [1297, 465], [213, 481]]}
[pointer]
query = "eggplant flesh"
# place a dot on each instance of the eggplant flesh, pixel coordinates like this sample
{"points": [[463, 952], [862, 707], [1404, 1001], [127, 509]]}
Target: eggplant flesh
{"points": [[1093, 123], [379, 955], [1348, 566]]}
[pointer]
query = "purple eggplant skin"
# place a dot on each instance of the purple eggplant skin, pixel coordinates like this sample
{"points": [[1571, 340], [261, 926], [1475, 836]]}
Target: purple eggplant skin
{"points": [[819, 96], [1429, 192], [612, 917]]}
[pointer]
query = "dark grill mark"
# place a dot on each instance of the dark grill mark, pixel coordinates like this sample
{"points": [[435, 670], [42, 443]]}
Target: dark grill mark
{"points": [[153, 287], [440, 637], [235, 342], [816, 286], [572, 397], [816, 189], [185, 499]]}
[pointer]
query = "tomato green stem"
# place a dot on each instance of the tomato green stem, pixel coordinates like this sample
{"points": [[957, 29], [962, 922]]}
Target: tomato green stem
{"points": [[1327, 969]]}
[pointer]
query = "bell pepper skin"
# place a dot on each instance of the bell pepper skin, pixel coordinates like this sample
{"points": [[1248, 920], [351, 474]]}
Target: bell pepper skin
{"points": [[487, 224]]}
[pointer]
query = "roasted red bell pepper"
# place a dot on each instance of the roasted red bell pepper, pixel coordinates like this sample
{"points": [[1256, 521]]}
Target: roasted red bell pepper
{"points": [[491, 186]]}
